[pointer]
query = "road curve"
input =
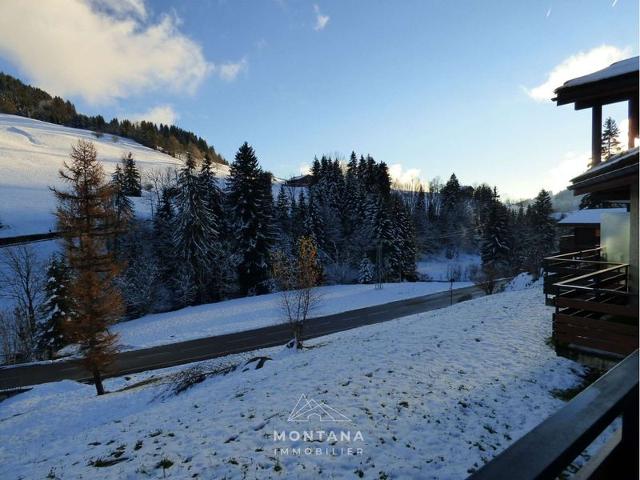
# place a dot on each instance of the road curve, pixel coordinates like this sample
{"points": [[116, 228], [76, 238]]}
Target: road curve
{"points": [[162, 356]]}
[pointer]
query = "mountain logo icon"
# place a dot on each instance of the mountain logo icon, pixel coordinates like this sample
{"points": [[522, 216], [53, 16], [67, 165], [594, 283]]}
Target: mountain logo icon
{"points": [[310, 410]]}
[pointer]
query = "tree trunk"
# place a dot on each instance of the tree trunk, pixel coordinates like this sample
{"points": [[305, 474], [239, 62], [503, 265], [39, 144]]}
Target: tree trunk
{"points": [[297, 334], [97, 379]]}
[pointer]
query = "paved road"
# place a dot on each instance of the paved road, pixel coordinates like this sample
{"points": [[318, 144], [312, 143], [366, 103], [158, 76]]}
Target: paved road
{"points": [[25, 239], [205, 348]]}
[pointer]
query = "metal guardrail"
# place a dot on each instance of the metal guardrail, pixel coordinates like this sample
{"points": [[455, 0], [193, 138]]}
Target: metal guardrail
{"points": [[547, 450]]}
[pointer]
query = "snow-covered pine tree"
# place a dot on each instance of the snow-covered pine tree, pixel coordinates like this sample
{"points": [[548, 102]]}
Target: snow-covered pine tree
{"points": [[610, 142], [194, 232], [283, 218], [404, 240], [366, 271], [542, 231], [496, 245], [56, 309], [132, 185], [162, 228], [482, 201], [419, 217], [250, 204], [212, 192], [450, 218], [299, 213], [122, 205], [379, 217], [519, 235], [139, 280]]}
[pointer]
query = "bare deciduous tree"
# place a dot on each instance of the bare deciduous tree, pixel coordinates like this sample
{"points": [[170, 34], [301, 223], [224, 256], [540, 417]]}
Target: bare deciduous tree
{"points": [[159, 180], [297, 278], [16, 337], [22, 281]]}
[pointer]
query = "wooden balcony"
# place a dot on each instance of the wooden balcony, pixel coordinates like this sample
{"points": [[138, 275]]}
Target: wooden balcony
{"points": [[570, 265], [595, 312]]}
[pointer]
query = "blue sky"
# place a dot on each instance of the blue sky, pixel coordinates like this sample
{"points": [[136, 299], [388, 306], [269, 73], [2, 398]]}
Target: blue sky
{"points": [[433, 86]]}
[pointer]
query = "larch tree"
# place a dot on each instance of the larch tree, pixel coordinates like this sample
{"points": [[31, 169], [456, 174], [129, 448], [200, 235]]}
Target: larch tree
{"points": [[87, 221]]}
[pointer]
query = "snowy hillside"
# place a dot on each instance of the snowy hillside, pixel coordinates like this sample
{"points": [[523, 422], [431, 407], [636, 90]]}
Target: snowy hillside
{"points": [[32, 152], [433, 395]]}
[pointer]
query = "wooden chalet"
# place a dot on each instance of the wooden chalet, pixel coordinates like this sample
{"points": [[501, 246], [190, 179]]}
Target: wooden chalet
{"points": [[580, 230], [595, 290]]}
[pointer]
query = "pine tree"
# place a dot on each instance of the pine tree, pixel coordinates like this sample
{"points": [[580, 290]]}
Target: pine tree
{"points": [[250, 205], [138, 281], [450, 220], [496, 245], [132, 185], [57, 309], [122, 205], [163, 223], [610, 142], [404, 240], [283, 217], [366, 271], [87, 221], [194, 234], [420, 220], [542, 231]]}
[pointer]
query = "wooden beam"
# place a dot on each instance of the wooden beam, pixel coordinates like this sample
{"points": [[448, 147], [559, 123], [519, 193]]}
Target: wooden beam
{"points": [[633, 121], [596, 135]]}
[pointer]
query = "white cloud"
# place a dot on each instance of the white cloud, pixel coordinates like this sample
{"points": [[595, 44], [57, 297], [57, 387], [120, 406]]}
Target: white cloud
{"points": [[164, 114], [321, 20], [571, 165], [229, 71], [404, 177], [98, 49], [305, 169], [577, 65]]}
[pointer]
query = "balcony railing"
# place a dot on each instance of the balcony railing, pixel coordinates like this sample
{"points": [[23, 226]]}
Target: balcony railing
{"points": [[596, 313], [569, 265], [547, 451]]}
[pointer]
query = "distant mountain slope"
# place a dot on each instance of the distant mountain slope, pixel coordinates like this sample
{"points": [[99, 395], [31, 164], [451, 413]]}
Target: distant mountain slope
{"points": [[17, 98], [32, 152]]}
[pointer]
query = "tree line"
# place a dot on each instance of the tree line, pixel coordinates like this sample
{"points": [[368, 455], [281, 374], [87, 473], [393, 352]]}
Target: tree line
{"points": [[17, 98], [211, 239]]}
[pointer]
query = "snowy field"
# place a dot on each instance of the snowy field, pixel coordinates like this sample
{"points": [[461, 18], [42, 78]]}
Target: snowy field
{"points": [[433, 396], [440, 268], [261, 311], [32, 152]]}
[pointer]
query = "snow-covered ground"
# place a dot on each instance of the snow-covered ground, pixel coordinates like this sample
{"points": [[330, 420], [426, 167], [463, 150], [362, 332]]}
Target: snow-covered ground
{"points": [[32, 152], [440, 268], [261, 311], [433, 395]]}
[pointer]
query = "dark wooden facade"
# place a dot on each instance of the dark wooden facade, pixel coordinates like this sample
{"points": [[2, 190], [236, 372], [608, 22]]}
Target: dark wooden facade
{"points": [[597, 301]]}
